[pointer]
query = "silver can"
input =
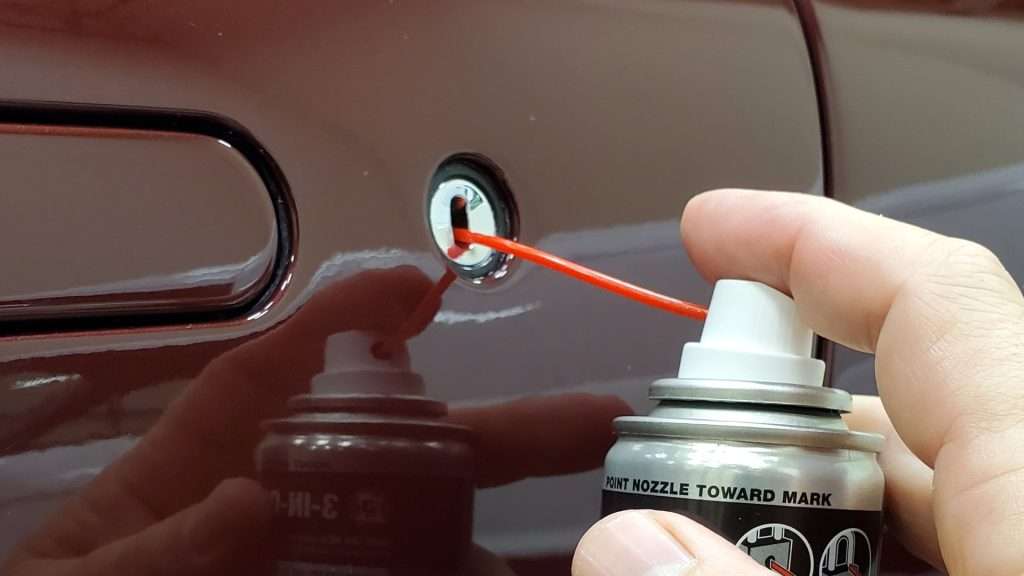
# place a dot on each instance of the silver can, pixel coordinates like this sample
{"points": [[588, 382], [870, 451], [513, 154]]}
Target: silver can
{"points": [[771, 467]]}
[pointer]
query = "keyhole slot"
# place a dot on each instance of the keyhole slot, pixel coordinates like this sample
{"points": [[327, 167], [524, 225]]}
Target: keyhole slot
{"points": [[471, 193], [460, 219]]}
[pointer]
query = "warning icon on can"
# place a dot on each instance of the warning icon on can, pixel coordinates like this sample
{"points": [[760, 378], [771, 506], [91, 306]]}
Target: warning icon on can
{"points": [[847, 554], [779, 548]]}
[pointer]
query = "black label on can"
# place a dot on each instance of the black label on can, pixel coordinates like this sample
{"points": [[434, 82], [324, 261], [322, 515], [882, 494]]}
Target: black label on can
{"points": [[791, 540], [332, 524]]}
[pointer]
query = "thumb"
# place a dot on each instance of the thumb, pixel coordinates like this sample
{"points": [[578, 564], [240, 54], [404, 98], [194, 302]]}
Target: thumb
{"points": [[654, 543], [215, 536]]}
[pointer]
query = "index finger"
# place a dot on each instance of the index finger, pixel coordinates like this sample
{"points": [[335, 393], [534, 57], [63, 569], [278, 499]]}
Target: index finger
{"points": [[943, 318]]}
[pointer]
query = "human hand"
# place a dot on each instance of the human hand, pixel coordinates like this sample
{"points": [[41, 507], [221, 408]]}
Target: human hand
{"points": [[183, 500], [943, 318]]}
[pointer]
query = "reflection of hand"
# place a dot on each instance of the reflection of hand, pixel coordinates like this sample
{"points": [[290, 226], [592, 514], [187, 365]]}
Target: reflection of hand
{"points": [[183, 501], [943, 318]]}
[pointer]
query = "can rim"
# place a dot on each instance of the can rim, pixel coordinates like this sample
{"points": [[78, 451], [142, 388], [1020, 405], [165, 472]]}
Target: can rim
{"points": [[395, 404], [749, 432], [375, 425], [741, 392]]}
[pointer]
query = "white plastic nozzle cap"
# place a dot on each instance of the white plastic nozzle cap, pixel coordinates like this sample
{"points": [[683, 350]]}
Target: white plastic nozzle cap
{"points": [[351, 368], [753, 334]]}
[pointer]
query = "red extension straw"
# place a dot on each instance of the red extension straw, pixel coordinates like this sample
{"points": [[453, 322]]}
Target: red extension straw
{"points": [[624, 289]]}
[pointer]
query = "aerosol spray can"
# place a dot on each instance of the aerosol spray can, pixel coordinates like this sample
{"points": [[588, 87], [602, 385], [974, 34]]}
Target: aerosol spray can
{"points": [[749, 442], [366, 476]]}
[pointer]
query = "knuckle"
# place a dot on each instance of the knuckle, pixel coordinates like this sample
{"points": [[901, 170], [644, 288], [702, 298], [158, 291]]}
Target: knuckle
{"points": [[967, 313], [957, 255], [968, 277], [969, 256]]}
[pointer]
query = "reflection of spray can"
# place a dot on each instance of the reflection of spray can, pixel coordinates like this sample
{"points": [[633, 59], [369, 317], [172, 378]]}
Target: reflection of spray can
{"points": [[366, 479], [749, 442]]}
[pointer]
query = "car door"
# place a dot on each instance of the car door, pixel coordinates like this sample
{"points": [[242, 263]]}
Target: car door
{"points": [[182, 181]]}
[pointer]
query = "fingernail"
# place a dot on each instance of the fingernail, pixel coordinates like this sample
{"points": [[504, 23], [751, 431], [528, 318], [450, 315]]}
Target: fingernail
{"points": [[631, 544]]}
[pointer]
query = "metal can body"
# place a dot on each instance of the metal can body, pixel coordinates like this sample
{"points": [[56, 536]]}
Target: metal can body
{"points": [[367, 494], [789, 486]]}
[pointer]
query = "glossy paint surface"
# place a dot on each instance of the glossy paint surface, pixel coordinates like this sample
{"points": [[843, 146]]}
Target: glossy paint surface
{"points": [[604, 116], [121, 222]]}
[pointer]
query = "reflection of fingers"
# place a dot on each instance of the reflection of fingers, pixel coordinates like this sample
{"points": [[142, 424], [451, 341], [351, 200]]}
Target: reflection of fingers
{"points": [[210, 432], [637, 542], [216, 536], [541, 436], [908, 482], [291, 351], [376, 301], [419, 318]]}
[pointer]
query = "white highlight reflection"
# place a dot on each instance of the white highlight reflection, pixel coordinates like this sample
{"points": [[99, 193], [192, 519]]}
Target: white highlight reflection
{"points": [[454, 317]]}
